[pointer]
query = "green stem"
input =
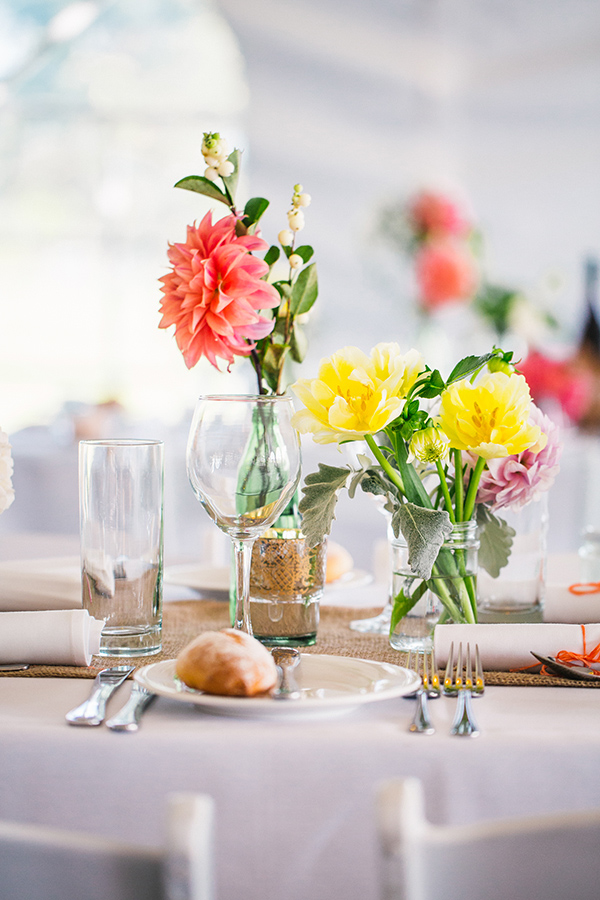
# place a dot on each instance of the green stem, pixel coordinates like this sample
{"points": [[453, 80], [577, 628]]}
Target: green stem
{"points": [[458, 484], [472, 490], [393, 475], [445, 491]]}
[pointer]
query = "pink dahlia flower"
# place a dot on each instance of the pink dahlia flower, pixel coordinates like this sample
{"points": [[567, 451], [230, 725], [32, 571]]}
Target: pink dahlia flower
{"points": [[433, 214], [516, 480], [214, 290], [445, 274]]}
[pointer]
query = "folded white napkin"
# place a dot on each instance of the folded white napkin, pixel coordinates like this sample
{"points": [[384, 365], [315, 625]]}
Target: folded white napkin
{"points": [[58, 637], [508, 646], [40, 584]]}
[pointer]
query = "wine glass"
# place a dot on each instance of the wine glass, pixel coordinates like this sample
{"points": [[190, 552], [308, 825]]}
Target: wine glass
{"points": [[243, 462]]}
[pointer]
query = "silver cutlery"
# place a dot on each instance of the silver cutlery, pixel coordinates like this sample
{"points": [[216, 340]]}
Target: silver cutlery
{"points": [[128, 717], [14, 667], [93, 710], [577, 673], [430, 687], [462, 686], [287, 659]]}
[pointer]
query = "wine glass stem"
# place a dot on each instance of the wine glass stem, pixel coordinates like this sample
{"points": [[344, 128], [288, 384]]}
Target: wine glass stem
{"points": [[243, 559]]}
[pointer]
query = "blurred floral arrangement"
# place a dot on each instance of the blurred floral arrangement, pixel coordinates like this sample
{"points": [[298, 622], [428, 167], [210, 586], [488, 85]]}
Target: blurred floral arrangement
{"points": [[7, 494], [217, 293], [443, 451], [446, 251]]}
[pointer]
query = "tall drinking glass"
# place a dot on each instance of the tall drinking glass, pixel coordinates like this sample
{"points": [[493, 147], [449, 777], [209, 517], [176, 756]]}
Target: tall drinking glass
{"points": [[121, 517], [243, 462]]}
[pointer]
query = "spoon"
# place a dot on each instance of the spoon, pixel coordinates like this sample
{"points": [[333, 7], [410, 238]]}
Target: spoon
{"points": [[286, 660], [577, 673]]}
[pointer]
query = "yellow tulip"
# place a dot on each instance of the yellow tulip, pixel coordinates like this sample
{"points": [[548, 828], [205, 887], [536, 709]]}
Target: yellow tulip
{"points": [[491, 417], [355, 394]]}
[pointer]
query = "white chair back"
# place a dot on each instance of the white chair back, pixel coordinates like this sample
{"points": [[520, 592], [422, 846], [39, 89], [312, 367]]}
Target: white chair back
{"points": [[551, 857], [38, 863]]}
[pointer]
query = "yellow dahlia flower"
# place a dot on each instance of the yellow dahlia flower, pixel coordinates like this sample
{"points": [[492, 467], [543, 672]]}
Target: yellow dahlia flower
{"points": [[355, 394], [491, 417]]}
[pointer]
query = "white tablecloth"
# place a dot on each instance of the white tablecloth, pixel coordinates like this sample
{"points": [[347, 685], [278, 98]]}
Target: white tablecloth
{"points": [[294, 800]]}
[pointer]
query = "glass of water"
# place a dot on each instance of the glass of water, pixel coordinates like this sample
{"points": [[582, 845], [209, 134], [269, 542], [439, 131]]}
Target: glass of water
{"points": [[121, 519]]}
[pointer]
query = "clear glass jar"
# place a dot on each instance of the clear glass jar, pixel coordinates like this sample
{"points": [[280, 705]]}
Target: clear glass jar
{"points": [[448, 595], [589, 556]]}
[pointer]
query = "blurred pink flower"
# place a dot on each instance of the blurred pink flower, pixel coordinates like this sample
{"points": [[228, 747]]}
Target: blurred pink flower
{"points": [[214, 290], [558, 380], [445, 274], [434, 215], [516, 480]]}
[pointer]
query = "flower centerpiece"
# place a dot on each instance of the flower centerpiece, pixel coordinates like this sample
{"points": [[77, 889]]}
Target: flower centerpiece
{"points": [[227, 301], [443, 453]]}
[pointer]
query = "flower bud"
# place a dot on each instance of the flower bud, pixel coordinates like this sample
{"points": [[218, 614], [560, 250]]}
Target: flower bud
{"points": [[429, 445], [295, 261], [296, 219], [497, 364], [211, 173], [298, 188], [211, 160], [303, 200], [225, 169], [285, 238]]}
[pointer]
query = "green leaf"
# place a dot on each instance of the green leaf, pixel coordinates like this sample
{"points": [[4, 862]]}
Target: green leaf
{"points": [[403, 604], [298, 344], [304, 291], [202, 185], [318, 503], [468, 366], [430, 385], [424, 530], [272, 255], [305, 252], [495, 541], [253, 210], [231, 181]]}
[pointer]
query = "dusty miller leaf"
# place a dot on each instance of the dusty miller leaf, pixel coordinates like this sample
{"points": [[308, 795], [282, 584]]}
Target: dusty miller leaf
{"points": [[318, 503], [424, 530], [495, 541]]}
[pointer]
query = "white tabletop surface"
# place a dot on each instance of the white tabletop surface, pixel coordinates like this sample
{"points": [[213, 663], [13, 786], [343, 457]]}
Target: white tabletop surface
{"points": [[294, 799]]}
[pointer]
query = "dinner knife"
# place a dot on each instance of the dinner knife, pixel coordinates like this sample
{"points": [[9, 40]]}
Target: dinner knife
{"points": [[128, 718], [93, 710], [577, 673]]}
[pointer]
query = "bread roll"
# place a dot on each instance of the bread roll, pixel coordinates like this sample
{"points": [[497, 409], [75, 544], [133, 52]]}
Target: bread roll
{"points": [[339, 562], [228, 662]]}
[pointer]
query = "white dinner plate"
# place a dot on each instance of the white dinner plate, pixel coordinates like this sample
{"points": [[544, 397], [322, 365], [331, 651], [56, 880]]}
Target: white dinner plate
{"points": [[330, 685], [216, 578]]}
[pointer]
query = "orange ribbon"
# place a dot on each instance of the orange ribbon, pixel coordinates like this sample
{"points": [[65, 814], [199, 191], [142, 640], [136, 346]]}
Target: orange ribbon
{"points": [[570, 658], [589, 587]]}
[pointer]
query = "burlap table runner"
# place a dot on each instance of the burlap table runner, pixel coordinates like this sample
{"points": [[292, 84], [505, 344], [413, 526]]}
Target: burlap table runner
{"points": [[185, 619]]}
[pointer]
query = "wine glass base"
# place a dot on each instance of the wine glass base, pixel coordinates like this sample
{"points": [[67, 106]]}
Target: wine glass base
{"points": [[379, 624]]}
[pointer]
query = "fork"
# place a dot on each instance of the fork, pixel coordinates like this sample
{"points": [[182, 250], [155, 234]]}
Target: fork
{"points": [[462, 686], [430, 687]]}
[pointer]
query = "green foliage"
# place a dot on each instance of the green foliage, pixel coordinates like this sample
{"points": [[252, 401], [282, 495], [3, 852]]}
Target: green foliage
{"points": [[201, 185], [424, 530], [304, 290], [231, 181], [305, 252], [468, 366], [318, 503], [495, 541], [272, 255], [253, 210]]}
